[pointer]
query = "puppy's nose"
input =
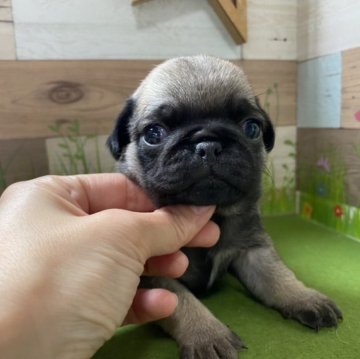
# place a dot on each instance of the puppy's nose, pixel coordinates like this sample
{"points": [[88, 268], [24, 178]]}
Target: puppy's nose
{"points": [[208, 150]]}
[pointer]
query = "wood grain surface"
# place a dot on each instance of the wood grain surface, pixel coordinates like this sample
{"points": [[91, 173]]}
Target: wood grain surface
{"points": [[108, 29], [233, 14], [325, 27], [274, 82], [272, 30], [319, 92], [35, 94], [21, 160], [350, 111], [7, 35]]}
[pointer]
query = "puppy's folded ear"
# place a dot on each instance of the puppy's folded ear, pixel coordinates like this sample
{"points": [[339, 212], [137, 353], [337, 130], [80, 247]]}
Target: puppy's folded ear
{"points": [[120, 136], [269, 135], [268, 130]]}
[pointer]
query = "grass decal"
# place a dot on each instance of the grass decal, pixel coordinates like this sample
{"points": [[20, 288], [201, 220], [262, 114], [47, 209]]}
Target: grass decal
{"points": [[72, 156], [279, 198]]}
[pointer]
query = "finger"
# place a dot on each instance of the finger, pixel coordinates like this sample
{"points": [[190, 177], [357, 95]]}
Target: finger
{"points": [[207, 237], [113, 190], [97, 192], [150, 305], [168, 229], [172, 265]]}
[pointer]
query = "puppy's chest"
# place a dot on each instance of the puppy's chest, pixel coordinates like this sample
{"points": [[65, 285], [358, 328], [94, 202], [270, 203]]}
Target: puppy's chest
{"points": [[205, 266]]}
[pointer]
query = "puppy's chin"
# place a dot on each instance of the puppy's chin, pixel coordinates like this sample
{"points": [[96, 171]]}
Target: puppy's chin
{"points": [[209, 191]]}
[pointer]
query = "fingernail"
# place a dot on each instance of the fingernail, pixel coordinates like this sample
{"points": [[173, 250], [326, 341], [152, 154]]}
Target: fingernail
{"points": [[199, 210], [176, 299]]}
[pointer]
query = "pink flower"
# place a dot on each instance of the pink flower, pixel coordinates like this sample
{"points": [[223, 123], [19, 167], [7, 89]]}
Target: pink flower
{"points": [[357, 116], [323, 163]]}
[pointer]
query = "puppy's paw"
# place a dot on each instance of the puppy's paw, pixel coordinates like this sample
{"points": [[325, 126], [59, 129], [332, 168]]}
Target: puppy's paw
{"points": [[314, 310], [213, 345]]}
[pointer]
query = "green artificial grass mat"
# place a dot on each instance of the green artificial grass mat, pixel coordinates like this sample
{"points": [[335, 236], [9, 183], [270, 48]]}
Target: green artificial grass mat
{"points": [[322, 259]]}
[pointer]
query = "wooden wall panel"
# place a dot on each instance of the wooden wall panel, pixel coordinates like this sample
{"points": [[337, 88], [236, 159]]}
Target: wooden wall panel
{"points": [[7, 36], [94, 157], [334, 157], [350, 116], [21, 160], [326, 27], [272, 28], [275, 84], [281, 160], [35, 94], [108, 29], [163, 28], [319, 92]]}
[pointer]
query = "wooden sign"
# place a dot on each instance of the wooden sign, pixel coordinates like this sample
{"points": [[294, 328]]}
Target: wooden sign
{"points": [[232, 13], [137, 2]]}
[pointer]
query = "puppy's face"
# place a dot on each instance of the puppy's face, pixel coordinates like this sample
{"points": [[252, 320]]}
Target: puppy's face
{"points": [[193, 133]]}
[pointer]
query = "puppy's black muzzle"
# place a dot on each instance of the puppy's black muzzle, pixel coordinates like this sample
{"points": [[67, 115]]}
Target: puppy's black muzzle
{"points": [[208, 150]]}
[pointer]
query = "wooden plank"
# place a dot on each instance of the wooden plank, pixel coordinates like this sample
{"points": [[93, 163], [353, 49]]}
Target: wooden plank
{"points": [[272, 29], [21, 160], [7, 35], [281, 160], [326, 27], [137, 2], [34, 95], [59, 30], [350, 115], [332, 158], [7, 41], [94, 157], [319, 92], [233, 13], [275, 84], [5, 10]]}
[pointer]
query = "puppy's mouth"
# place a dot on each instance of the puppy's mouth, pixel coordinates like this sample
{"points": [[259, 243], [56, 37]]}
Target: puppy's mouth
{"points": [[207, 190]]}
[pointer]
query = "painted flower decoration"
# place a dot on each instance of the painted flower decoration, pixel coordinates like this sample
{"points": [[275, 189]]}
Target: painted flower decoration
{"points": [[357, 116], [321, 190], [323, 163], [339, 211], [307, 210]]}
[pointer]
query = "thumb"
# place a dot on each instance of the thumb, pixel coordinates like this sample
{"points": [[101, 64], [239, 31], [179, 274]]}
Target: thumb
{"points": [[173, 227]]}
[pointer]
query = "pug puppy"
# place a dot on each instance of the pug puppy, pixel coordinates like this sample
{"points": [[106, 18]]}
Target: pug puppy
{"points": [[194, 133]]}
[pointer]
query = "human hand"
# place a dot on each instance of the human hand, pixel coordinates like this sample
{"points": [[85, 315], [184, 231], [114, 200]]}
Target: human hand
{"points": [[73, 249]]}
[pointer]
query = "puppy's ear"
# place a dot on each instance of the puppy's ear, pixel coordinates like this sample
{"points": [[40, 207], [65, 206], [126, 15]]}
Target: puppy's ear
{"points": [[268, 130], [120, 136], [269, 135]]}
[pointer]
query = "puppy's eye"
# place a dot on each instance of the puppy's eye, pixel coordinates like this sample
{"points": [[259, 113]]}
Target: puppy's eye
{"points": [[252, 129], [154, 134]]}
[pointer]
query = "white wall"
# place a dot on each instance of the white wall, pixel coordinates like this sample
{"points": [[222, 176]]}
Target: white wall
{"points": [[327, 26], [113, 29]]}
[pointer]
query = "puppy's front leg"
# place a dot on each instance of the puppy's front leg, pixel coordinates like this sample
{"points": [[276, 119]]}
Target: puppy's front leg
{"points": [[198, 333], [264, 274]]}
